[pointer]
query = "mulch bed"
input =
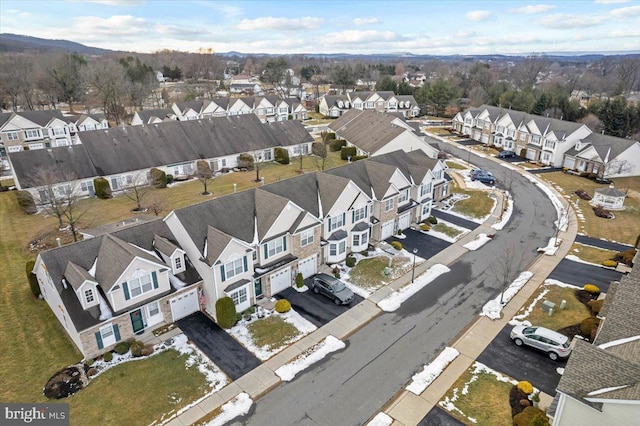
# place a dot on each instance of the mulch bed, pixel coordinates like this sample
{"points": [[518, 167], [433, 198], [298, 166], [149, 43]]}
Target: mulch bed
{"points": [[571, 331], [585, 297], [66, 382]]}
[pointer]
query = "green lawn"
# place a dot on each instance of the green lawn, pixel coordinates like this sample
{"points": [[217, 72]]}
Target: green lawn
{"points": [[368, 273], [478, 205], [446, 229], [455, 165], [573, 313], [272, 333], [591, 254]]}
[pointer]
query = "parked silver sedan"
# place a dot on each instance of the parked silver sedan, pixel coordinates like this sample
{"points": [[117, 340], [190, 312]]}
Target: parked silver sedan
{"points": [[554, 344]]}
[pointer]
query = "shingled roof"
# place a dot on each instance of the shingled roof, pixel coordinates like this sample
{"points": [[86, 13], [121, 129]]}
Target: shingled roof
{"points": [[368, 130]]}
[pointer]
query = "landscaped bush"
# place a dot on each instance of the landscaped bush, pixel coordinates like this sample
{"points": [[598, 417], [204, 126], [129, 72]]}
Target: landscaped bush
{"points": [[531, 415], [591, 288], [169, 179], [102, 188], [425, 227], [602, 212], [525, 387], [592, 176], [625, 257], [245, 161], [281, 155], [582, 194], [329, 136], [515, 396], [31, 278], [432, 220], [26, 202], [319, 149], [347, 151], [107, 357], [226, 312], [159, 178], [337, 145], [358, 157], [283, 306], [299, 280], [595, 306], [147, 350], [121, 348], [610, 263], [523, 153], [350, 261], [588, 325], [396, 245], [136, 347]]}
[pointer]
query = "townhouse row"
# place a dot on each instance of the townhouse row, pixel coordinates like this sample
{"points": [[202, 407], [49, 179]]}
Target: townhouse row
{"points": [[381, 101], [247, 246], [550, 141]]}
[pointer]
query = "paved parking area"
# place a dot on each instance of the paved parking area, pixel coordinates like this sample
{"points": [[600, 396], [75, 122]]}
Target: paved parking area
{"points": [[439, 417], [316, 308], [579, 274], [225, 352], [427, 245], [597, 242], [522, 363], [456, 220]]}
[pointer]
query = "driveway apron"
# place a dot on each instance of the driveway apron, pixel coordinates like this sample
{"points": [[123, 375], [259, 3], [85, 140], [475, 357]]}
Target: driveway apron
{"points": [[579, 274], [456, 220], [225, 352], [316, 308], [427, 245], [603, 244]]}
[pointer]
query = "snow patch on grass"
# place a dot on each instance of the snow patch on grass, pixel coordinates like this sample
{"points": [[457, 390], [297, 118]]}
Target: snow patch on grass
{"points": [[493, 308], [329, 344], [381, 419], [479, 241], [506, 215], [397, 298], [238, 406], [431, 371]]}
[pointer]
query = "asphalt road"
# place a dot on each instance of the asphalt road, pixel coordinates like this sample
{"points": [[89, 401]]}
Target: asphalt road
{"points": [[316, 308], [604, 244], [350, 386], [522, 363], [579, 274], [456, 220], [225, 352]]}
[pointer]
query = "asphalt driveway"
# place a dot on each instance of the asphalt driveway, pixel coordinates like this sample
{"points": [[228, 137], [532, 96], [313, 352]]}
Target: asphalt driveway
{"points": [[316, 308], [456, 220], [521, 363], [427, 245], [604, 244], [579, 274], [439, 417], [225, 352]]}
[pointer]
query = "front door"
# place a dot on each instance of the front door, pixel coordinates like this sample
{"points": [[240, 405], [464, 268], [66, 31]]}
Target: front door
{"points": [[257, 286], [136, 320]]}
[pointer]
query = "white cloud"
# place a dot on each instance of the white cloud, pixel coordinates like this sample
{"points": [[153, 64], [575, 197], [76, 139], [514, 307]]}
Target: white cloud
{"points": [[283, 24], [116, 26], [625, 33], [173, 30], [625, 12], [611, 1], [562, 21], [478, 15], [366, 21], [356, 36], [533, 8], [117, 2], [18, 13]]}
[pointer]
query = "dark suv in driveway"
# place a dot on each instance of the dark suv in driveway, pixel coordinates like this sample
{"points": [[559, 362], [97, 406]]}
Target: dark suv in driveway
{"points": [[483, 176], [333, 288]]}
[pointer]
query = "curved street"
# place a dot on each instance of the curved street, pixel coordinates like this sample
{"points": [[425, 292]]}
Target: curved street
{"points": [[351, 386]]}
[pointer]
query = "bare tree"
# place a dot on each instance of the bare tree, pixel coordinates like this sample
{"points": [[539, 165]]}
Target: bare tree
{"points": [[74, 210], [109, 80], [526, 72], [204, 175], [136, 189], [319, 150], [157, 202], [506, 266]]}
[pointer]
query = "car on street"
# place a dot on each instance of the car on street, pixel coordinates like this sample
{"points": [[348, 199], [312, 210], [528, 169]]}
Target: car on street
{"points": [[554, 344], [506, 154], [482, 176], [333, 288]]}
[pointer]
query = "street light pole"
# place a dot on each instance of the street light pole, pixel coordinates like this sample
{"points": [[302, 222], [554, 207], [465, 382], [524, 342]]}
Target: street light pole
{"points": [[413, 270]]}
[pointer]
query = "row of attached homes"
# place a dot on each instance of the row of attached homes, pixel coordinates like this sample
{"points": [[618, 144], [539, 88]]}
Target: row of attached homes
{"points": [[381, 101], [552, 142], [267, 108], [126, 282]]}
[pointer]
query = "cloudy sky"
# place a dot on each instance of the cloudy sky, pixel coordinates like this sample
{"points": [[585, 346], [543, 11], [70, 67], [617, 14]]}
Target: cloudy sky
{"points": [[332, 26]]}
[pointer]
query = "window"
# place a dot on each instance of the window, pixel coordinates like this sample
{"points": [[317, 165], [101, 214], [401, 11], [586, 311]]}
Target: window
{"points": [[388, 204], [360, 239], [425, 210], [523, 136], [178, 263], [359, 214], [88, 295], [275, 247], [438, 174], [57, 131], [403, 197], [357, 105], [425, 189], [296, 150], [549, 144], [12, 136], [239, 296], [15, 148], [107, 336], [283, 110], [87, 187], [270, 110], [337, 248], [233, 268], [392, 105], [153, 308], [140, 285], [30, 134], [266, 155], [306, 237], [369, 104], [336, 222]]}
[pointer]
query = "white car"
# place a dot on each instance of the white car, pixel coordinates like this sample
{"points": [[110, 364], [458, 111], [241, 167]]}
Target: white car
{"points": [[554, 344]]}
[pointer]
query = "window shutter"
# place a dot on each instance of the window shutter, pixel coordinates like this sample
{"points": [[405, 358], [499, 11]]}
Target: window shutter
{"points": [[266, 253], [125, 287], [222, 273], [353, 216], [329, 224], [366, 211], [99, 340], [154, 276], [245, 263], [116, 332], [284, 243], [344, 218]]}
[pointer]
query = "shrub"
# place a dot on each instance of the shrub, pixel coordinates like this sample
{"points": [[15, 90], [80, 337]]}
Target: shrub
{"points": [[351, 261], [136, 348], [358, 157], [592, 176], [169, 179], [610, 263], [625, 257], [425, 227], [433, 220], [529, 415], [595, 306], [582, 194], [121, 348], [330, 136], [525, 387], [283, 306], [102, 188], [602, 212], [588, 325], [281, 155], [347, 151], [31, 278], [396, 245], [89, 362], [107, 357], [319, 149], [515, 396], [337, 145], [147, 350], [299, 280], [226, 312], [26, 202], [591, 288], [245, 161], [523, 153], [159, 178]]}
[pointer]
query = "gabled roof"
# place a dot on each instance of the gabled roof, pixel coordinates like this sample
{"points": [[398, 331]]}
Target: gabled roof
{"points": [[610, 145], [414, 165], [217, 241], [302, 190], [43, 117], [148, 114], [368, 130], [195, 105], [268, 208], [164, 245], [77, 275], [4, 117], [330, 187]]}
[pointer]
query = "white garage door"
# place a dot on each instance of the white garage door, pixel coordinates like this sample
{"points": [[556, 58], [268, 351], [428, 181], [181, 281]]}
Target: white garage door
{"points": [[386, 230], [185, 304], [484, 138], [280, 281], [404, 221], [308, 266]]}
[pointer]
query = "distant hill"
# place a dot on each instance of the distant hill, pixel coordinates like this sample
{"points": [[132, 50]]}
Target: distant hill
{"points": [[20, 43]]}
